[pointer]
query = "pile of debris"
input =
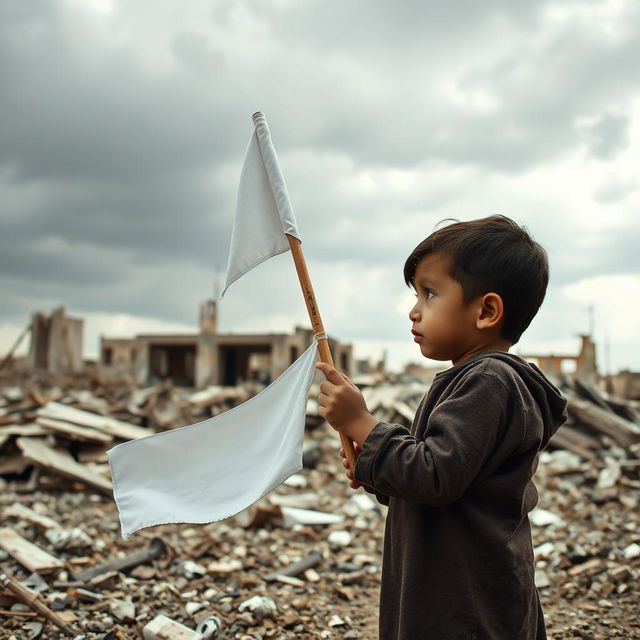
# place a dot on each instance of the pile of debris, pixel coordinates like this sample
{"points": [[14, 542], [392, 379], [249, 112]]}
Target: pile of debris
{"points": [[303, 562]]}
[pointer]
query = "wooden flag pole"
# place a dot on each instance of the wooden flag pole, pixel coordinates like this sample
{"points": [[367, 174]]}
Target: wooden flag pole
{"points": [[318, 327]]}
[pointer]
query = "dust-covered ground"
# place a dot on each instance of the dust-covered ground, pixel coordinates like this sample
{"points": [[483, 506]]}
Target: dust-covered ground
{"points": [[586, 542]]}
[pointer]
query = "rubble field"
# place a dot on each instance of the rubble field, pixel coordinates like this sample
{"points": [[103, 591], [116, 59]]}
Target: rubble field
{"points": [[305, 561]]}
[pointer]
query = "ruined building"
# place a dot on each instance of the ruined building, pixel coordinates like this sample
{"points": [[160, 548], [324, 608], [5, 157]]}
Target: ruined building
{"points": [[582, 366], [56, 343], [208, 357]]}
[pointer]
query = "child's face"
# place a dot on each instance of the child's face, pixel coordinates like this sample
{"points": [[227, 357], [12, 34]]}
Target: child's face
{"points": [[445, 325]]}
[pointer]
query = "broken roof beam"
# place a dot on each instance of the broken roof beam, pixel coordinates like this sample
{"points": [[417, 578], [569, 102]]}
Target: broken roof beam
{"points": [[106, 424], [623, 432], [39, 453]]}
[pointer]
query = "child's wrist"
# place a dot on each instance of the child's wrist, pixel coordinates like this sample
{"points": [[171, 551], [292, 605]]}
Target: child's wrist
{"points": [[361, 427]]}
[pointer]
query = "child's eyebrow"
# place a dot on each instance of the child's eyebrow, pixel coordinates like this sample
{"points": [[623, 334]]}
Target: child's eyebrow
{"points": [[427, 282]]}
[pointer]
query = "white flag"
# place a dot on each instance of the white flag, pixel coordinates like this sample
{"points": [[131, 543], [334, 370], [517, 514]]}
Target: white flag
{"points": [[263, 212], [215, 468]]}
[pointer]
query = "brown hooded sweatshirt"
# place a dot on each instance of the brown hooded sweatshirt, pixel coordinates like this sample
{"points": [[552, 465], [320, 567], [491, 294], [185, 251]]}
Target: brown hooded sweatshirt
{"points": [[458, 559]]}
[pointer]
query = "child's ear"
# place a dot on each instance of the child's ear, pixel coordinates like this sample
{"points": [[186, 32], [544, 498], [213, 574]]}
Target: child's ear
{"points": [[490, 311]]}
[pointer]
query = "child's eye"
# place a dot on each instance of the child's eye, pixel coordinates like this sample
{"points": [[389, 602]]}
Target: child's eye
{"points": [[428, 294]]}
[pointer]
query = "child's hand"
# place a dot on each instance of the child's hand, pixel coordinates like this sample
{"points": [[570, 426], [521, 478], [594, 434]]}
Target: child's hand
{"points": [[343, 406], [354, 484]]}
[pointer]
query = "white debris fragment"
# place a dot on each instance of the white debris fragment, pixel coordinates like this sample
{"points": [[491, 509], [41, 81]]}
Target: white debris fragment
{"points": [[339, 538], [163, 628], [357, 504], [336, 621], [543, 518], [209, 627], [192, 569], [541, 579], [297, 481], [67, 538], [312, 575], [632, 551], [123, 610], [609, 476], [362, 501], [543, 551], [224, 566], [260, 606], [292, 515]]}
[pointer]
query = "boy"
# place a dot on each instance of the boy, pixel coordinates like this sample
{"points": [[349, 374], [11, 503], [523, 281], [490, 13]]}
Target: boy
{"points": [[457, 558]]}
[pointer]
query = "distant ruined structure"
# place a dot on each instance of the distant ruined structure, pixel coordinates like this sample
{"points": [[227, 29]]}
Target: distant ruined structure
{"points": [[56, 343], [584, 364], [209, 357]]}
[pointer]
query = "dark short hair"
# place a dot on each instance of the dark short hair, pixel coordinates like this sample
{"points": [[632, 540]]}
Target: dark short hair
{"points": [[491, 254]]}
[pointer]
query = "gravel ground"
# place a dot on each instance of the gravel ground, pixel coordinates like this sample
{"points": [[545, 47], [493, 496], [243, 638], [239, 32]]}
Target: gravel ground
{"points": [[586, 559]]}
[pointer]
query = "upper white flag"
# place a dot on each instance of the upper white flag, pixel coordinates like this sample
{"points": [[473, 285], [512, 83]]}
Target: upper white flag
{"points": [[215, 468], [263, 212]]}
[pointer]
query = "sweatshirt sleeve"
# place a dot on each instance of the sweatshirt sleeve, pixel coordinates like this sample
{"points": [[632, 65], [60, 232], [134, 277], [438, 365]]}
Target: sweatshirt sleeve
{"points": [[380, 497], [462, 431]]}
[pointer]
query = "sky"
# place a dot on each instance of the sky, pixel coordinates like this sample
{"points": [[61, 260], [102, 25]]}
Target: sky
{"points": [[124, 127]]}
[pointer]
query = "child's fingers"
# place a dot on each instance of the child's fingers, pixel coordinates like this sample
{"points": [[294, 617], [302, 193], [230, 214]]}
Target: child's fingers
{"points": [[356, 447], [331, 374], [347, 380]]}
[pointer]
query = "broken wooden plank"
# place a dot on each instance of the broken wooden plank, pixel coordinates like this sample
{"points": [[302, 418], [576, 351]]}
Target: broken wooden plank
{"points": [[35, 602], [24, 430], [589, 392], [28, 554], [13, 463], [623, 432], [585, 440], [20, 511], [38, 452], [564, 438], [93, 453], [116, 428], [73, 431]]}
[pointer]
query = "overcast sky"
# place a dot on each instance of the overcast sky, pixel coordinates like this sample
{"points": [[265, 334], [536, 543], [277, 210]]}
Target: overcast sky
{"points": [[124, 126]]}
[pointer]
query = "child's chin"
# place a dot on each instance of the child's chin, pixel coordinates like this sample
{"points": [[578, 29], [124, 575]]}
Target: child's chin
{"points": [[431, 354], [426, 352]]}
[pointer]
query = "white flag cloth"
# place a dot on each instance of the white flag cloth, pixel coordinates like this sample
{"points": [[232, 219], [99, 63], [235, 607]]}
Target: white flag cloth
{"points": [[263, 212], [215, 468]]}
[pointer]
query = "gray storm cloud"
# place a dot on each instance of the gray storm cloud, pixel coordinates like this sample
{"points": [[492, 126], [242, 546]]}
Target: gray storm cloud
{"points": [[123, 132]]}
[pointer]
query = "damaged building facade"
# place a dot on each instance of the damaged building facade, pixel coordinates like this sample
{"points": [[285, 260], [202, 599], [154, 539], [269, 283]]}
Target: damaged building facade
{"points": [[56, 343], [209, 357]]}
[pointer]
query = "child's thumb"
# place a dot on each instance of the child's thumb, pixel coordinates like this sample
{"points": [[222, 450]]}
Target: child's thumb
{"points": [[331, 374]]}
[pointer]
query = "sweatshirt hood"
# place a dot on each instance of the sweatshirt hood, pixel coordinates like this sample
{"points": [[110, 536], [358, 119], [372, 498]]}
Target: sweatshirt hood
{"points": [[553, 405]]}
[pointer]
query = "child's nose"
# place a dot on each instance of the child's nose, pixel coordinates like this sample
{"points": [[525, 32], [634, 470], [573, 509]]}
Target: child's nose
{"points": [[414, 316]]}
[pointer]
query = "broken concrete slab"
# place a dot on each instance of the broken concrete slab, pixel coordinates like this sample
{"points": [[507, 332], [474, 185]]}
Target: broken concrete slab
{"points": [[163, 628]]}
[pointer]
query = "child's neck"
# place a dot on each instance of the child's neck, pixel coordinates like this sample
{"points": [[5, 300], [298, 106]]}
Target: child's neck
{"points": [[497, 344]]}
